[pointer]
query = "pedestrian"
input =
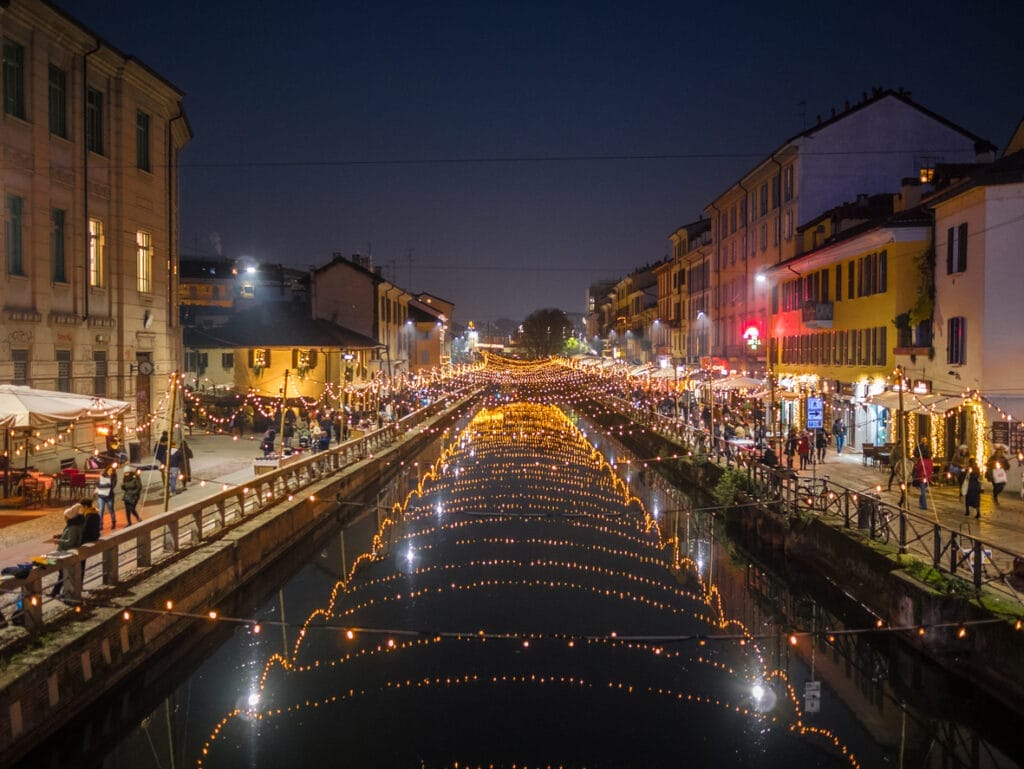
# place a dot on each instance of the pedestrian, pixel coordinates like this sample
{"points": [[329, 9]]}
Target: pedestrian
{"points": [[160, 449], [995, 472], [174, 472], [923, 468], [971, 488], [896, 465], [70, 538], [131, 491], [289, 431], [267, 444], [185, 463], [105, 486], [803, 448], [790, 448], [839, 433], [820, 443]]}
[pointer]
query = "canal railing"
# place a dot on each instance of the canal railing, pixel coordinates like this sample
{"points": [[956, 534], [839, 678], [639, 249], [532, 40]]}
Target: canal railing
{"points": [[126, 555], [953, 551]]}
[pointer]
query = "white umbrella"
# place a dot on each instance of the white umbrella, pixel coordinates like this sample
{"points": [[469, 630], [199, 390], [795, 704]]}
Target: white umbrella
{"points": [[27, 407], [736, 383]]}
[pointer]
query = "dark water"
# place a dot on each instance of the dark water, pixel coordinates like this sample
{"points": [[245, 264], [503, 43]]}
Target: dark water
{"points": [[526, 609]]}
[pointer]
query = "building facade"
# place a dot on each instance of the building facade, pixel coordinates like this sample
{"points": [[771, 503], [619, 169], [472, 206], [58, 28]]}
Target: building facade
{"points": [[90, 140]]}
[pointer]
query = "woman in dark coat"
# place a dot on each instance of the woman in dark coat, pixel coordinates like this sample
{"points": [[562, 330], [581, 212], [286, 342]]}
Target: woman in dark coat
{"points": [[131, 488], [972, 492]]}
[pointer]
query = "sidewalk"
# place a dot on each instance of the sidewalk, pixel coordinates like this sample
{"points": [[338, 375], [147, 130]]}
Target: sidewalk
{"points": [[217, 460], [1003, 525]]}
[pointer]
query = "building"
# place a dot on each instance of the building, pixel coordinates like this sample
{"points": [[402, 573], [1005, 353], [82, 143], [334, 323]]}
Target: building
{"points": [[867, 148], [690, 289], [832, 328], [252, 350], [978, 271], [90, 143]]}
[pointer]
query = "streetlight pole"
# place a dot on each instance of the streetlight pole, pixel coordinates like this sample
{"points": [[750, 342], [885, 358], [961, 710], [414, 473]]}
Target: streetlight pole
{"points": [[901, 436]]}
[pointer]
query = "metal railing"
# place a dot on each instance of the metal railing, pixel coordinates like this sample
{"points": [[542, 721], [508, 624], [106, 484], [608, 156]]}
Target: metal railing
{"points": [[126, 555]]}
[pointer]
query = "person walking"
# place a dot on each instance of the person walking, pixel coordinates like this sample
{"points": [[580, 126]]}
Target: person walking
{"points": [[821, 444], [174, 471], [105, 486], [70, 538], [131, 491], [995, 472], [839, 433], [971, 488], [185, 463], [803, 448], [896, 465], [923, 468], [790, 448]]}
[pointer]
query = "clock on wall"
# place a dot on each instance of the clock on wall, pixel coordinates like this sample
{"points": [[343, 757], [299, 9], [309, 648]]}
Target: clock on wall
{"points": [[145, 367]]}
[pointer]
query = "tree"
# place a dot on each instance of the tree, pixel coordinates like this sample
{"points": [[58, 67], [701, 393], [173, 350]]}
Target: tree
{"points": [[545, 332]]}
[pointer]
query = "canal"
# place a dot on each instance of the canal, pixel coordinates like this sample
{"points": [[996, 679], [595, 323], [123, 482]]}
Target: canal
{"points": [[524, 596]]}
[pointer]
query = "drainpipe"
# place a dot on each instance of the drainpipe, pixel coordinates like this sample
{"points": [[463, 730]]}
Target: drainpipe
{"points": [[778, 216], [718, 275], [85, 175], [172, 320]]}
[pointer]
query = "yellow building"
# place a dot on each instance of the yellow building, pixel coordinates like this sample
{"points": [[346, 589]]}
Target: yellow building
{"points": [[833, 315]]}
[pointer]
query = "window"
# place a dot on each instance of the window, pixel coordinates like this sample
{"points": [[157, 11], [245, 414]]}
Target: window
{"points": [[142, 141], [94, 121], [99, 377], [732, 219], [956, 341], [58, 243], [20, 360], [787, 226], [196, 361], [775, 192], [15, 252], [956, 249], [14, 79], [839, 282], [58, 102], [764, 199], [764, 237], [743, 212], [96, 245], [64, 370], [787, 183], [144, 257], [227, 360]]}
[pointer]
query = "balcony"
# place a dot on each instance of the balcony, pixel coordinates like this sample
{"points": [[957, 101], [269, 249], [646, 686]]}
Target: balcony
{"points": [[817, 314]]}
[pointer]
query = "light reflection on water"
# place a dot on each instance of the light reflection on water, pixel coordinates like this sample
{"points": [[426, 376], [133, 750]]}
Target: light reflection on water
{"points": [[554, 632]]}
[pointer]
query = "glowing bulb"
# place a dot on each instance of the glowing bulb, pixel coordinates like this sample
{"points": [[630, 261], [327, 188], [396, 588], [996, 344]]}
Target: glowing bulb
{"points": [[254, 699]]}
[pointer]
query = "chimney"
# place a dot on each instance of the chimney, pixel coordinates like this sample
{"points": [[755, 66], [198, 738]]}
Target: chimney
{"points": [[910, 195]]}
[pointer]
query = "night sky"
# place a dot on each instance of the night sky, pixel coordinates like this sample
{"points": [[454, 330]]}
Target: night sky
{"points": [[513, 149]]}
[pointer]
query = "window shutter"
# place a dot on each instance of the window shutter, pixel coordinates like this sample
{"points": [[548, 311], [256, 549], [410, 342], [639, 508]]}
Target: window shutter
{"points": [[883, 277], [252, 358], [963, 247], [266, 354], [312, 358], [295, 358], [950, 234]]}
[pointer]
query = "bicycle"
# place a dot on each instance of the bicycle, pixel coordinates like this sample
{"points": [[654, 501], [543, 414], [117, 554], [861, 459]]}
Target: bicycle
{"points": [[816, 494], [873, 515]]}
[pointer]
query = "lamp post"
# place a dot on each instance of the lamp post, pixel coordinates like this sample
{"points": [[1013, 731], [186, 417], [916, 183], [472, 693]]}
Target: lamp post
{"points": [[901, 437], [346, 377]]}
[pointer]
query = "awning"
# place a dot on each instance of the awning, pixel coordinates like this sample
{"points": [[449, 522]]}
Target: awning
{"points": [[932, 403], [27, 407]]}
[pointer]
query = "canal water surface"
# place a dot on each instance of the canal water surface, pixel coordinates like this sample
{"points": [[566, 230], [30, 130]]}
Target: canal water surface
{"points": [[519, 598]]}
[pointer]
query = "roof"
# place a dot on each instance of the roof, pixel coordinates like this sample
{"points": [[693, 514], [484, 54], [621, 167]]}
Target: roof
{"points": [[877, 95], [268, 326], [955, 179], [424, 313], [339, 259]]}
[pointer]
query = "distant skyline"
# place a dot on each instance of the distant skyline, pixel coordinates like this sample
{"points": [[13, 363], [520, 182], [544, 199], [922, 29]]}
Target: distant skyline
{"points": [[519, 152]]}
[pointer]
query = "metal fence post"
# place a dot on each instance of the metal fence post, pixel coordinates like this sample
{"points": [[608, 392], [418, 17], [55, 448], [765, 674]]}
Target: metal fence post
{"points": [[903, 532], [977, 563]]}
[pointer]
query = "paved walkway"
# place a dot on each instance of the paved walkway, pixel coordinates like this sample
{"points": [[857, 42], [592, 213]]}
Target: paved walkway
{"points": [[1002, 525], [217, 460]]}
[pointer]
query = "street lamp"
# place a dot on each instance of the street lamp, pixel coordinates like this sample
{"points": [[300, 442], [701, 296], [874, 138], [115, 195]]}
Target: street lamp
{"points": [[346, 378]]}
